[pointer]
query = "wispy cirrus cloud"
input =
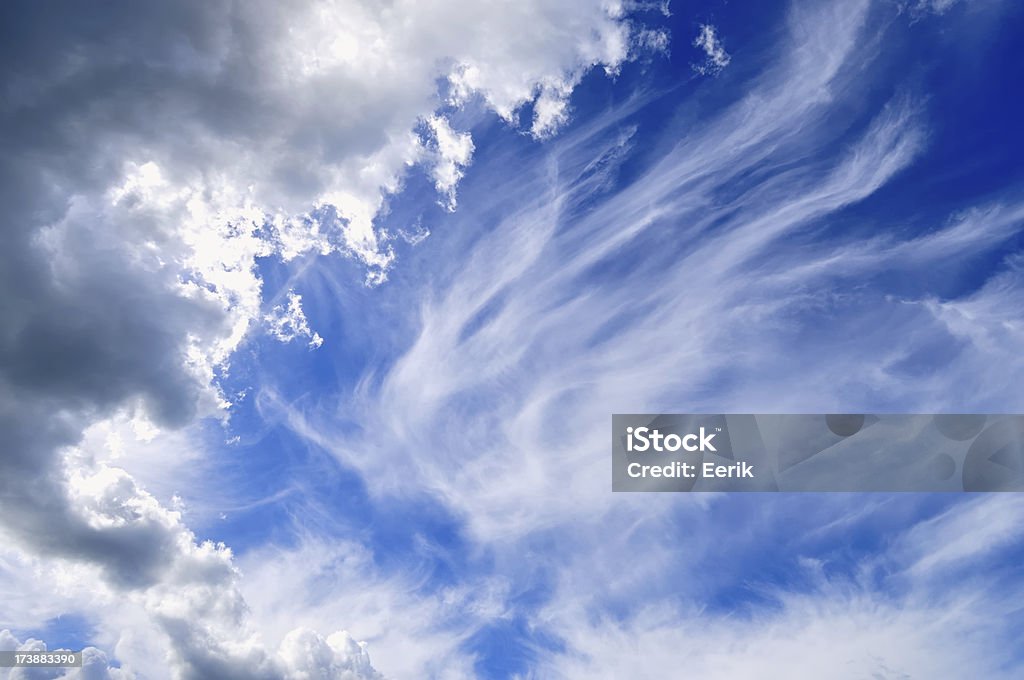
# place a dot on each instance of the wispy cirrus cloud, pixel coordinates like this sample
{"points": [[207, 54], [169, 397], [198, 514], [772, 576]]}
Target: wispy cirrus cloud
{"points": [[531, 332], [729, 274], [881, 619]]}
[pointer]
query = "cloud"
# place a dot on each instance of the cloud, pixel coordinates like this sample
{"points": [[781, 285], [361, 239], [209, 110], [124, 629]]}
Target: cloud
{"points": [[289, 322], [111, 309], [95, 665], [308, 655], [882, 620], [717, 58], [303, 655], [304, 104], [730, 274], [157, 156], [935, 6], [413, 630], [963, 535], [838, 634], [514, 365], [454, 152], [151, 158]]}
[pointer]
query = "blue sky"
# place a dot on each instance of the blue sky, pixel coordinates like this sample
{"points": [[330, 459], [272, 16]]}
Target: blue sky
{"points": [[321, 330]]}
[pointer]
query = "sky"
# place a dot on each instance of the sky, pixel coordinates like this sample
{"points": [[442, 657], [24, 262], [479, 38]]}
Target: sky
{"points": [[315, 314]]}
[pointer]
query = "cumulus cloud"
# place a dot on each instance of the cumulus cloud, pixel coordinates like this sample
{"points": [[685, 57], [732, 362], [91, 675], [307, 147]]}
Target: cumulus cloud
{"points": [[413, 631], [151, 156], [95, 664], [303, 655], [311, 657], [304, 104]]}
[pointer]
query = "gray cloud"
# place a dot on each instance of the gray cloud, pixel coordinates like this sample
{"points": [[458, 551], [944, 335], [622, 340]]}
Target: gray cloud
{"points": [[95, 664], [149, 153]]}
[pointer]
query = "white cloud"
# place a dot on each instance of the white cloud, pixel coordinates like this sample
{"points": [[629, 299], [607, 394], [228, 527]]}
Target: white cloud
{"points": [[288, 322], [936, 6], [95, 665], [717, 58], [290, 106], [828, 633], [516, 361], [309, 656], [884, 620], [962, 535], [134, 223], [513, 370], [684, 290], [303, 655], [508, 74], [153, 157], [413, 631], [453, 151]]}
